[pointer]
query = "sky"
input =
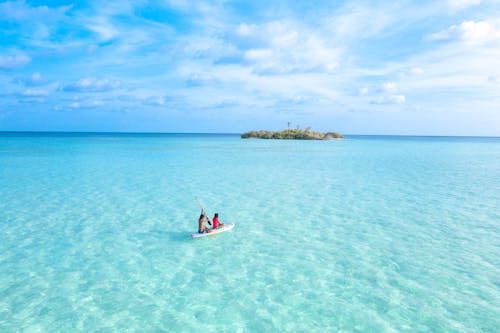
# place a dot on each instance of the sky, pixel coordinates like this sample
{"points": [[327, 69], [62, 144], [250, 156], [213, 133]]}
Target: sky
{"points": [[355, 67]]}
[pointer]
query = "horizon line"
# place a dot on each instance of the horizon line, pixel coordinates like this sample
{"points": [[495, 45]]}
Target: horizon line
{"points": [[232, 133]]}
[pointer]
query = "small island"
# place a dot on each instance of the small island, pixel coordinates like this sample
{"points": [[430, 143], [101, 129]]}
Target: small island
{"points": [[292, 134]]}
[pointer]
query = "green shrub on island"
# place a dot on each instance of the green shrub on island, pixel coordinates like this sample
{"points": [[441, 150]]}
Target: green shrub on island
{"points": [[292, 134]]}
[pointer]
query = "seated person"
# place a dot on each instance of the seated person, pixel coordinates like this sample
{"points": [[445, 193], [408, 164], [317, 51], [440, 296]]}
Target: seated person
{"points": [[216, 223], [202, 228]]}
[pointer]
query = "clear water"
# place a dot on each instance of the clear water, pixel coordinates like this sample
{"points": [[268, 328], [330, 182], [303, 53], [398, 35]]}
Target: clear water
{"points": [[369, 234]]}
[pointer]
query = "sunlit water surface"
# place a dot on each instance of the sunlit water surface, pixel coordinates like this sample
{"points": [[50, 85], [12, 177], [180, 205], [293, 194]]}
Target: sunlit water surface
{"points": [[369, 234]]}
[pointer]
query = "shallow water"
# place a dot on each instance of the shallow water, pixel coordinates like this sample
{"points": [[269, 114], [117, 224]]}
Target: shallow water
{"points": [[369, 234]]}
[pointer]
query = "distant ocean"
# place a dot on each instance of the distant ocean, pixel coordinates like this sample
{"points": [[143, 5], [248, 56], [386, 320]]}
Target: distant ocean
{"points": [[368, 234]]}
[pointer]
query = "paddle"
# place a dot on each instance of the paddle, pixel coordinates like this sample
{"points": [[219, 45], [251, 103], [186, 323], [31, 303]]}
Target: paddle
{"points": [[202, 209]]}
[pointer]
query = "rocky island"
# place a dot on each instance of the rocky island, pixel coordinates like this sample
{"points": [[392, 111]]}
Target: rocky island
{"points": [[292, 134]]}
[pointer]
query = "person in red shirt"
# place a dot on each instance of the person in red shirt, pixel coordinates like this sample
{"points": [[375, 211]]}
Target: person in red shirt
{"points": [[216, 224]]}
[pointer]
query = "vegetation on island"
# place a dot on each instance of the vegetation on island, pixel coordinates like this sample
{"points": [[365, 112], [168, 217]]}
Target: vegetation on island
{"points": [[292, 134]]}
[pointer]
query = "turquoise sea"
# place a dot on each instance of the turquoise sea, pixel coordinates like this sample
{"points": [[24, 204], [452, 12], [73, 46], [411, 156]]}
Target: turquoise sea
{"points": [[368, 234]]}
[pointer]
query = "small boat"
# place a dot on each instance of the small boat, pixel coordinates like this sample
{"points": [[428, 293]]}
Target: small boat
{"points": [[226, 227]]}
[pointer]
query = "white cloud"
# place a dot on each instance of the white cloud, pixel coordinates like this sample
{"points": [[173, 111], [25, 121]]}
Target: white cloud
{"points": [[155, 100], [85, 104], [397, 99], [161, 100], [15, 61], [102, 27], [281, 47], [244, 29], [388, 94], [35, 92], [360, 21], [92, 85], [470, 32], [390, 99], [416, 71], [200, 79], [363, 91], [20, 10], [258, 55], [35, 79], [32, 100], [390, 87], [206, 47], [462, 4]]}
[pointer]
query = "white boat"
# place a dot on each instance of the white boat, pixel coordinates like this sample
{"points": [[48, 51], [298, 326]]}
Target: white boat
{"points": [[226, 227]]}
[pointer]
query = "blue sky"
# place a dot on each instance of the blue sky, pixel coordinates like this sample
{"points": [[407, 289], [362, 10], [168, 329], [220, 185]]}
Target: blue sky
{"points": [[357, 67]]}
